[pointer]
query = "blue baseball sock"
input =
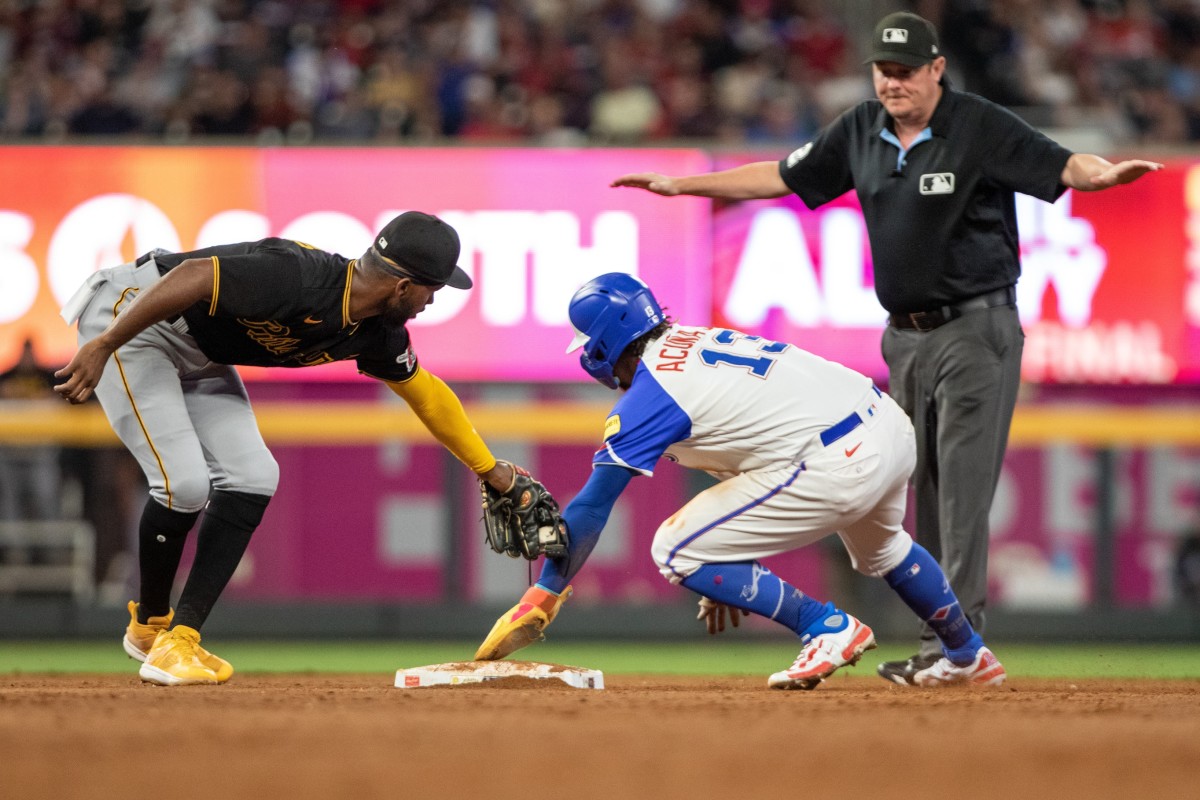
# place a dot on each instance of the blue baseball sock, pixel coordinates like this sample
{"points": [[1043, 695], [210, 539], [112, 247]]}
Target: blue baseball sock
{"points": [[923, 587], [750, 586]]}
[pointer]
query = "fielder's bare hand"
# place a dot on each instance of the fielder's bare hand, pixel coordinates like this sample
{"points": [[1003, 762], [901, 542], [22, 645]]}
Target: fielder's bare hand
{"points": [[84, 371], [501, 477], [650, 181], [714, 613]]}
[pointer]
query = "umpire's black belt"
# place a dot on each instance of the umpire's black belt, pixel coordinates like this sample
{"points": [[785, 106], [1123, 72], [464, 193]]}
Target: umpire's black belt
{"points": [[928, 320]]}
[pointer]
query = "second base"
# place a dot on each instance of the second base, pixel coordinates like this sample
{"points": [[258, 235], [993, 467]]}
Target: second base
{"points": [[457, 673]]}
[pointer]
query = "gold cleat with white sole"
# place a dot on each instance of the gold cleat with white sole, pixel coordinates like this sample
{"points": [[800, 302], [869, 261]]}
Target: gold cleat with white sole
{"points": [[139, 638]]}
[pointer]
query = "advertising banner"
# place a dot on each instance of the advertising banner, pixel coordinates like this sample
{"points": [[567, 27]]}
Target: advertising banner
{"points": [[534, 225], [1109, 293]]}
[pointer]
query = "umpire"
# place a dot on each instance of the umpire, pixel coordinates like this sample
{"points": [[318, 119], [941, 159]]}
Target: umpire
{"points": [[935, 170], [157, 338]]}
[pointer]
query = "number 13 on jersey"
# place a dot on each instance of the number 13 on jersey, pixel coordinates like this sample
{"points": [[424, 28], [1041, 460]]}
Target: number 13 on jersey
{"points": [[757, 365]]}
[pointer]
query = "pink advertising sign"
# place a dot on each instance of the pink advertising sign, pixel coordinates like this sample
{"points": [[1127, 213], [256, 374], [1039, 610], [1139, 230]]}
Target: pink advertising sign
{"points": [[1101, 301], [535, 224]]}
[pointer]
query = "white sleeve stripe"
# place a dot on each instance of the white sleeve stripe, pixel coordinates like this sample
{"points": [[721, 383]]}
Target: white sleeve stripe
{"points": [[616, 459]]}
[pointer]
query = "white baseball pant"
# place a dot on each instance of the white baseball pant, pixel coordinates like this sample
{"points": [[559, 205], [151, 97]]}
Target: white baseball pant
{"points": [[856, 487]]}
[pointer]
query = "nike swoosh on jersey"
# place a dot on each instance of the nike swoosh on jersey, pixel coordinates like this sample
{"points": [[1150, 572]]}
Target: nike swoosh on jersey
{"points": [[312, 321], [852, 450]]}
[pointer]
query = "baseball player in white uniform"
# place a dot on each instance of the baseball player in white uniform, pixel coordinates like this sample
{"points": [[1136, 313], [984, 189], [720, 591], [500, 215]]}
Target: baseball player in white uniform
{"points": [[803, 448]]}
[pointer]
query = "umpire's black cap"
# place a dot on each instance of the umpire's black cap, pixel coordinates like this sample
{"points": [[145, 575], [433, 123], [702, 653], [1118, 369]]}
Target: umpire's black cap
{"points": [[424, 248], [905, 39]]}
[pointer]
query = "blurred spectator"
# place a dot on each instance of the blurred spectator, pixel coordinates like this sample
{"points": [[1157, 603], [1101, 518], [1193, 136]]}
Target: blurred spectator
{"points": [[398, 90], [103, 115], [983, 48], [546, 124], [624, 71], [25, 102], [783, 117], [147, 88], [625, 109], [29, 473]]}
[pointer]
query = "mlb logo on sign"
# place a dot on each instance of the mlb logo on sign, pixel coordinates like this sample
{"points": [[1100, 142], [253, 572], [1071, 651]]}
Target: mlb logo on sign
{"points": [[937, 183], [899, 35]]}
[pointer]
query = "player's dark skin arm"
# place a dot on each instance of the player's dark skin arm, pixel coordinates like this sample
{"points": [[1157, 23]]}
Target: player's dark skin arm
{"points": [[187, 284]]}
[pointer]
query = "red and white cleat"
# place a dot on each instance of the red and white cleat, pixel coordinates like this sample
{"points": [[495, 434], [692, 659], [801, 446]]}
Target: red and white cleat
{"points": [[824, 655]]}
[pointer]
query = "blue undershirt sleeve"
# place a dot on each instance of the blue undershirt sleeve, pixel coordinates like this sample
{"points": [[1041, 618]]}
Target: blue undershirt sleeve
{"points": [[585, 516]]}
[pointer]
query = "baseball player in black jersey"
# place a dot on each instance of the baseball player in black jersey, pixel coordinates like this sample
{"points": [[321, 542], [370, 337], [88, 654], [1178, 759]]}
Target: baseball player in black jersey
{"points": [[935, 171], [157, 341]]}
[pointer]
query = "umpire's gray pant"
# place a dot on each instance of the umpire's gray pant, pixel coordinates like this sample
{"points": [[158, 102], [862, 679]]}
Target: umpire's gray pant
{"points": [[958, 383]]}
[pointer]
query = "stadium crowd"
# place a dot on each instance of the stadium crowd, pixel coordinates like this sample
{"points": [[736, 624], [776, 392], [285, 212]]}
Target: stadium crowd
{"points": [[564, 72]]}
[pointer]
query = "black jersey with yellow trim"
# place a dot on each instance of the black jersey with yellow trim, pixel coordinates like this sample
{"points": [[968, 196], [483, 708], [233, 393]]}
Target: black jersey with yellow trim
{"points": [[280, 303]]}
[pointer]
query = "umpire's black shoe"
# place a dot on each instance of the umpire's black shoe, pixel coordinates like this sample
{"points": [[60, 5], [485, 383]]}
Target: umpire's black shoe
{"points": [[904, 672]]}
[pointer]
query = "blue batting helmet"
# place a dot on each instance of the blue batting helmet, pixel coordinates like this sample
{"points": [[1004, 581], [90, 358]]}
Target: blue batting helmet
{"points": [[608, 312]]}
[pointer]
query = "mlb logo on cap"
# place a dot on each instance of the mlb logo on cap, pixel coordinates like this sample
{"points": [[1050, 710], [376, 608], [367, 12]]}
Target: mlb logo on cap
{"points": [[905, 39]]}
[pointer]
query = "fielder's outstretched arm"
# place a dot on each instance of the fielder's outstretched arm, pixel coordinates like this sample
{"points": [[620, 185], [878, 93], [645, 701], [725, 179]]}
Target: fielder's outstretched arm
{"points": [[439, 408]]}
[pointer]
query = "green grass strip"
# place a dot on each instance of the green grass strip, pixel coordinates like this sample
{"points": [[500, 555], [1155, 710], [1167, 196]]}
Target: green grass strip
{"points": [[716, 657]]}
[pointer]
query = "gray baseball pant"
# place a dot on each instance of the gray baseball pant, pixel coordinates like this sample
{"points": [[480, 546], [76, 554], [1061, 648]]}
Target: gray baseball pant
{"points": [[958, 383], [187, 420]]}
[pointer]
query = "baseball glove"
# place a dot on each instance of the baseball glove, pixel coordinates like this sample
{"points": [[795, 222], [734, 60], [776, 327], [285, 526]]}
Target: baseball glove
{"points": [[524, 520]]}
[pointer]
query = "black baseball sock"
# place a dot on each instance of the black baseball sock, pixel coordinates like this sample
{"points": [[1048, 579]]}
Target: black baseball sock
{"points": [[161, 536], [229, 521]]}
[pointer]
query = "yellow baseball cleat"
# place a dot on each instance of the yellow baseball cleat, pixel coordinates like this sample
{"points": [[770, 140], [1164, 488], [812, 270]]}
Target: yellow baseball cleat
{"points": [[174, 659], [523, 624], [140, 638]]}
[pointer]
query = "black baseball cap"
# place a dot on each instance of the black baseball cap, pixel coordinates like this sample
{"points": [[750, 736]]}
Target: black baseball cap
{"points": [[904, 38], [422, 247]]}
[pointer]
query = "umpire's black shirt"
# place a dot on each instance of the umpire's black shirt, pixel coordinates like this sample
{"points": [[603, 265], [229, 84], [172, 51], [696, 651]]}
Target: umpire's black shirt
{"points": [[941, 218]]}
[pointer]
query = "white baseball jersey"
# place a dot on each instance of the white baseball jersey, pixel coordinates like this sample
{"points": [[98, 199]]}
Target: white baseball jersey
{"points": [[805, 447], [726, 402]]}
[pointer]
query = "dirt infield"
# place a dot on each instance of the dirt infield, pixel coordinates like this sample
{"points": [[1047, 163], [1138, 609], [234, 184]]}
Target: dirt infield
{"points": [[354, 736]]}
